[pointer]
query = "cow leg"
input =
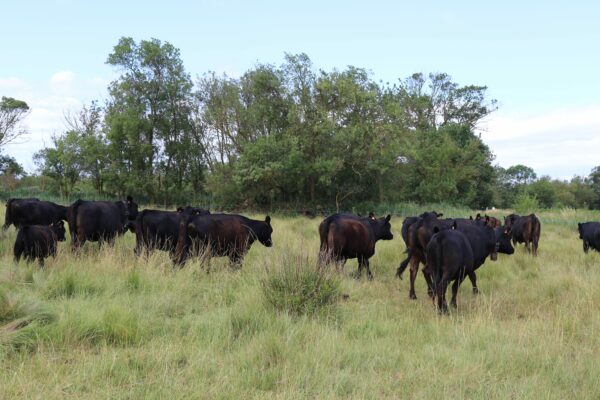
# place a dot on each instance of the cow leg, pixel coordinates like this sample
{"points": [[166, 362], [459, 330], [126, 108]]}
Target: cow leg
{"points": [[473, 279], [586, 247], [235, 261], [414, 269], [441, 288], [430, 286], [363, 262], [41, 262], [455, 287]]}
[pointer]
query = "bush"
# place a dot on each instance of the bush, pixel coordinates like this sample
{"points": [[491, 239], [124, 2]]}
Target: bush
{"points": [[301, 290], [526, 203]]}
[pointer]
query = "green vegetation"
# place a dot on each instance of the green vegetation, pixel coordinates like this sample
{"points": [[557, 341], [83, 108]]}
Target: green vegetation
{"points": [[102, 324]]}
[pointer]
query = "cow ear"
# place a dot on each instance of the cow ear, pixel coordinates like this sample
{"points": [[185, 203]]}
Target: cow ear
{"points": [[440, 215], [487, 218], [129, 199], [389, 216], [268, 220], [478, 215], [471, 217], [372, 215], [179, 209]]}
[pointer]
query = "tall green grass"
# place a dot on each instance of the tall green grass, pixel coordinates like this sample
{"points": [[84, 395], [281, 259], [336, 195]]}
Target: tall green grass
{"points": [[103, 324]]}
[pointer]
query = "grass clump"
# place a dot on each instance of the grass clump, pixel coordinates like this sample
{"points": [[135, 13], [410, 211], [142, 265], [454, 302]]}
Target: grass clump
{"points": [[301, 290]]}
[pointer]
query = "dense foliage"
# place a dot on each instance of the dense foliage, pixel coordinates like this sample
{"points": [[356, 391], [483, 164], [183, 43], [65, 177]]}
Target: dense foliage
{"points": [[286, 136]]}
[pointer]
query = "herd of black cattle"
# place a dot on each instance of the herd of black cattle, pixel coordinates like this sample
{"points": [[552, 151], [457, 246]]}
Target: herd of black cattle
{"points": [[450, 249]]}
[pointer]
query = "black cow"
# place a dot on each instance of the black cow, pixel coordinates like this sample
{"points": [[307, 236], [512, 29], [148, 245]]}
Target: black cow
{"points": [[418, 235], [525, 229], [408, 221], [485, 241], [99, 221], [449, 259], [155, 229], [38, 241], [353, 237], [589, 232], [20, 212], [219, 235]]}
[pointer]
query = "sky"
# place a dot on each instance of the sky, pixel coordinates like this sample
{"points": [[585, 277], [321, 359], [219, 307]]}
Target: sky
{"points": [[539, 59]]}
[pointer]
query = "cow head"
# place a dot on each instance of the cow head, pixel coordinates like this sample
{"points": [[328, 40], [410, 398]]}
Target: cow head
{"points": [[132, 208], [509, 220], [503, 243], [263, 231], [383, 228], [59, 230], [580, 229], [129, 226]]}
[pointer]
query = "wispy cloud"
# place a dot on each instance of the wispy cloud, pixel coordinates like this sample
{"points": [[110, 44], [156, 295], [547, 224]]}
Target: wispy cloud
{"points": [[560, 143]]}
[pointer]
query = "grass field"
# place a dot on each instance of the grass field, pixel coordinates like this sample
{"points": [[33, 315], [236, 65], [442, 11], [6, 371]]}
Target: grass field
{"points": [[103, 324]]}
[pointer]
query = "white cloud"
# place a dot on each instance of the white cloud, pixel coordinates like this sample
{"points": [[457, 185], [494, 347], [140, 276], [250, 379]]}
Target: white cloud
{"points": [[64, 92], [560, 143]]}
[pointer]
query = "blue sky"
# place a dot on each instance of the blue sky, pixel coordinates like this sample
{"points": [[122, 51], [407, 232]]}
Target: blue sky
{"points": [[538, 59]]}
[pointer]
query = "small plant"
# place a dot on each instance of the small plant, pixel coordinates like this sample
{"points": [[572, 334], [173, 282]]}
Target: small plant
{"points": [[301, 290]]}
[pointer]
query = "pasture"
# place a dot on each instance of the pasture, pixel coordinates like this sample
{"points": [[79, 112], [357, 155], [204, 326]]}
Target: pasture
{"points": [[103, 324]]}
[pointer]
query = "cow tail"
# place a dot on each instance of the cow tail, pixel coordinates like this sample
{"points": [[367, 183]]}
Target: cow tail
{"points": [[139, 233], [183, 246], [404, 264], [536, 230], [8, 217], [72, 218], [434, 261]]}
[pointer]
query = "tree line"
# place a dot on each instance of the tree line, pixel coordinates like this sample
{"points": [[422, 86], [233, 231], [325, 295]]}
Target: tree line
{"points": [[284, 135]]}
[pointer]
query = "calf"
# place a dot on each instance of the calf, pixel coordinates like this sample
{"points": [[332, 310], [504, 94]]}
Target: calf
{"points": [[589, 232], [38, 241], [525, 229], [353, 237]]}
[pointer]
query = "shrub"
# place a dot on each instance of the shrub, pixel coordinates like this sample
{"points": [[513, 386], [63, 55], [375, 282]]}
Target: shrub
{"points": [[301, 290], [525, 203]]}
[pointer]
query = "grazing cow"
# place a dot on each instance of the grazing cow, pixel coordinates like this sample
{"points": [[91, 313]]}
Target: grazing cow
{"points": [[99, 221], [353, 237], [38, 241], [155, 229], [219, 235], [449, 259], [589, 232], [20, 212], [489, 220], [525, 229], [418, 235]]}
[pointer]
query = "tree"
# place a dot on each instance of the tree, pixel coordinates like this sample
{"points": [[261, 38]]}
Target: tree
{"points": [[12, 113], [10, 171], [63, 163], [594, 179], [149, 120]]}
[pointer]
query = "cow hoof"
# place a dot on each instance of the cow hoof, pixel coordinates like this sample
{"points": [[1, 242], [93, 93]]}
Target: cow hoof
{"points": [[399, 275], [370, 277], [412, 296], [475, 290]]}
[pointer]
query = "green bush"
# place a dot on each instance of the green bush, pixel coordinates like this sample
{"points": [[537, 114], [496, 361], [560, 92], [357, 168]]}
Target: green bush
{"points": [[526, 203], [301, 290]]}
